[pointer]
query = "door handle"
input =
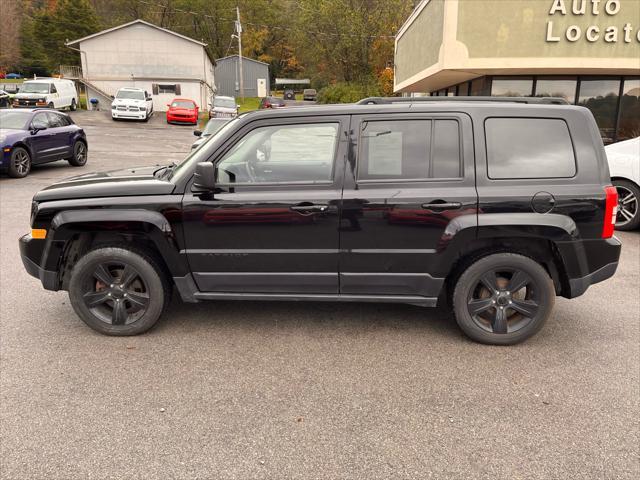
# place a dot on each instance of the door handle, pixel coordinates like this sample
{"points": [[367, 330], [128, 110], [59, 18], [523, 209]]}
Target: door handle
{"points": [[438, 206], [309, 208]]}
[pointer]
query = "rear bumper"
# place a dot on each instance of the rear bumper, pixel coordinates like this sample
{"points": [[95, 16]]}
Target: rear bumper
{"points": [[29, 252], [588, 262]]}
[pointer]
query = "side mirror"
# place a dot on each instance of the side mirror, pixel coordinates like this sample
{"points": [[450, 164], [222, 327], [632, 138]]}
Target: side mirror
{"points": [[197, 133], [35, 129], [238, 106], [149, 98], [168, 105], [204, 178], [112, 97]]}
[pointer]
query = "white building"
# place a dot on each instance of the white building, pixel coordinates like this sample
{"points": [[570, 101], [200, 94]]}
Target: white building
{"points": [[140, 54]]}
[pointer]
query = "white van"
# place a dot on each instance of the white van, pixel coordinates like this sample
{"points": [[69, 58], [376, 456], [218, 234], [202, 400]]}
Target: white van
{"points": [[47, 92]]}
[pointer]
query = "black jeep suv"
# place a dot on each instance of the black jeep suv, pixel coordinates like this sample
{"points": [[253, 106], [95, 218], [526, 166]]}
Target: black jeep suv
{"points": [[493, 207]]}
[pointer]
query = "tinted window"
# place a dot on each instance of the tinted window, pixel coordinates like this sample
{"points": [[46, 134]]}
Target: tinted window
{"points": [[517, 87], [629, 126], [529, 148], [56, 120], [53, 89], [557, 87], [409, 150], [282, 154], [601, 97]]}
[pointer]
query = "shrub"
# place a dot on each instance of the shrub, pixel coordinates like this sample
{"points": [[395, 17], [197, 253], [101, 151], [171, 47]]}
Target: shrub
{"points": [[349, 92]]}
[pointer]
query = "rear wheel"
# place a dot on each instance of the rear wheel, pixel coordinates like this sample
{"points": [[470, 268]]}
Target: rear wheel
{"points": [[19, 163], [118, 291], [79, 158], [73, 106], [503, 299], [628, 198]]}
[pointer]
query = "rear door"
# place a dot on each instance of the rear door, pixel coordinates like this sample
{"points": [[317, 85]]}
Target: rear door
{"points": [[413, 175], [271, 226]]}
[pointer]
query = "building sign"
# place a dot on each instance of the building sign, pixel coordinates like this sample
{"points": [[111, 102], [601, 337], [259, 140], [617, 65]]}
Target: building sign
{"points": [[618, 31]]}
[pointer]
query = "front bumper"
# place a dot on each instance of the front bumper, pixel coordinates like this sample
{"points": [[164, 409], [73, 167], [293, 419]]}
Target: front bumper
{"points": [[182, 119], [126, 114], [31, 253]]}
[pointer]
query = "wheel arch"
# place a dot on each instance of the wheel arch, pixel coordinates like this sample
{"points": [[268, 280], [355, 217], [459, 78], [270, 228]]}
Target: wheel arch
{"points": [[75, 232]]}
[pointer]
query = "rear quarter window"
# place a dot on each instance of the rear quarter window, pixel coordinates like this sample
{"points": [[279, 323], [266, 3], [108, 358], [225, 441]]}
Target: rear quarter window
{"points": [[521, 148]]}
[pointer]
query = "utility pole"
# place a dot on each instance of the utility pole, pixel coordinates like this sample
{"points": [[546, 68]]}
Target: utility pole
{"points": [[239, 34]]}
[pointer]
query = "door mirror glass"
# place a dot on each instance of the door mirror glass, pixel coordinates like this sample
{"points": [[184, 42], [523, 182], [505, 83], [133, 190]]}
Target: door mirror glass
{"points": [[197, 133], [204, 178]]}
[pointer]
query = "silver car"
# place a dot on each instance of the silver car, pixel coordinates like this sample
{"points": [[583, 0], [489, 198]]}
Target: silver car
{"points": [[224, 107], [210, 129]]}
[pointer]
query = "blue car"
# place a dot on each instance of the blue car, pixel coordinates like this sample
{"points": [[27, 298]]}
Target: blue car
{"points": [[33, 136]]}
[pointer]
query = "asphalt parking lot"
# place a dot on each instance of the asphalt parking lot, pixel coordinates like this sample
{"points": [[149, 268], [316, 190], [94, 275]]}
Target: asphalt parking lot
{"points": [[255, 390]]}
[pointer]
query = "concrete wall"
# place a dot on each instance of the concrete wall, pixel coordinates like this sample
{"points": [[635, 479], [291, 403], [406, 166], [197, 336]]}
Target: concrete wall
{"points": [[227, 71], [193, 90]]}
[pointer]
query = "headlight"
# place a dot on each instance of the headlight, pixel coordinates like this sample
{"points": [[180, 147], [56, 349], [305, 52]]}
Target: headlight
{"points": [[113, 107], [143, 108]]}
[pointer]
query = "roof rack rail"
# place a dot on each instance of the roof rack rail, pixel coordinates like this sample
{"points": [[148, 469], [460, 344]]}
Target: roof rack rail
{"points": [[528, 100]]}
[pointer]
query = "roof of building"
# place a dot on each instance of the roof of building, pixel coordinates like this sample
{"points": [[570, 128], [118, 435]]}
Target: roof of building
{"points": [[244, 59], [124, 25]]}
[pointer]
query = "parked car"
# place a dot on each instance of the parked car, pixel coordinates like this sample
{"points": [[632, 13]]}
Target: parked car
{"points": [[272, 102], [132, 103], [12, 76], [310, 94], [289, 95], [5, 99], [182, 110], [47, 92], [33, 136], [224, 107], [11, 88], [624, 165], [212, 127], [280, 206]]}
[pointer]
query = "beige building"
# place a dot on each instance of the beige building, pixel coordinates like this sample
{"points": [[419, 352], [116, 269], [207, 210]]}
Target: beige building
{"points": [[587, 51]]}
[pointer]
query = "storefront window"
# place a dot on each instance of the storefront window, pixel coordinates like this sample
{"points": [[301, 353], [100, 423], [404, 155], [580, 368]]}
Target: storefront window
{"points": [[601, 97], [479, 87], [463, 89], [557, 87], [511, 87], [629, 124]]}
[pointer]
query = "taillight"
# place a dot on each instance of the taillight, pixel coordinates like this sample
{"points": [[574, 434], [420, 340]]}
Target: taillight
{"points": [[610, 211]]}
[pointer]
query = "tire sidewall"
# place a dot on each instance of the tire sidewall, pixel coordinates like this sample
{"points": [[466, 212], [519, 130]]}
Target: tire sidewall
{"points": [[12, 170], [470, 278], [74, 159], [73, 106], [85, 268]]}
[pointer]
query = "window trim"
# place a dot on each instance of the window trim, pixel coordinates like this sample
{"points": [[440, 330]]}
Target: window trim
{"points": [[371, 181], [486, 148], [331, 180]]}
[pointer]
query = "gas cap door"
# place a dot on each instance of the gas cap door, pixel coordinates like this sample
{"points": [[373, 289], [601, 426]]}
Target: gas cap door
{"points": [[543, 202]]}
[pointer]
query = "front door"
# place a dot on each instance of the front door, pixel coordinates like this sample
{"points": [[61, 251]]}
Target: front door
{"points": [[271, 226], [408, 179], [42, 143]]}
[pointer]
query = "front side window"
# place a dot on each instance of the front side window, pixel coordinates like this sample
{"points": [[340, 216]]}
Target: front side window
{"points": [[520, 148], [409, 150], [55, 120], [53, 89], [40, 121], [281, 154]]}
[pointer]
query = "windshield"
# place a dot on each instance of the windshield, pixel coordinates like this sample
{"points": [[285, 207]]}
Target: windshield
{"points": [[213, 126], [224, 102], [201, 154], [13, 119], [130, 95], [183, 104], [34, 87]]}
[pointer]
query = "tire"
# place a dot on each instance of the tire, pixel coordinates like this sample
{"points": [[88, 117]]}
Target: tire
{"points": [[628, 205], [51, 105], [116, 312], [19, 163], [80, 154], [73, 106], [515, 308], [146, 117]]}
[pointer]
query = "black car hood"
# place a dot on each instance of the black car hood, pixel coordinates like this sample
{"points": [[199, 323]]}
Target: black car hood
{"points": [[116, 183]]}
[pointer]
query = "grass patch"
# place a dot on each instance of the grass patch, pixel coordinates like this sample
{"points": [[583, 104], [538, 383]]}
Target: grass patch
{"points": [[248, 104], [11, 80]]}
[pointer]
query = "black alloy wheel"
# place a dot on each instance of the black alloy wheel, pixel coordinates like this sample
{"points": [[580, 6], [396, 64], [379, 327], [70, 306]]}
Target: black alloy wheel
{"points": [[118, 290], [79, 158], [628, 217], [503, 299], [19, 163]]}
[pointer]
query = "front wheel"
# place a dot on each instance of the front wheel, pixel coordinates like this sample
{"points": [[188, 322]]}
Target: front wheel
{"points": [[628, 198], [503, 299], [79, 158], [73, 106], [118, 291], [19, 163], [51, 105]]}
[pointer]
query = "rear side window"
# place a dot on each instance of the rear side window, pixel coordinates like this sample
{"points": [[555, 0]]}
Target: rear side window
{"points": [[529, 148], [409, 150]]}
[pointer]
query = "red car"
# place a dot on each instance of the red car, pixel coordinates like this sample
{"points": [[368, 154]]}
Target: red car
{"points": [[182, 110]]}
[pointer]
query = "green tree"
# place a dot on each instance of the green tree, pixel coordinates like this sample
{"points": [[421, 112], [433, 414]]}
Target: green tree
{"points": [[71, 19]]}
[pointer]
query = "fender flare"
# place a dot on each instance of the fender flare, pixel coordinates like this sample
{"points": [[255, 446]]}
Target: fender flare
{"points": [[153, 225]]}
